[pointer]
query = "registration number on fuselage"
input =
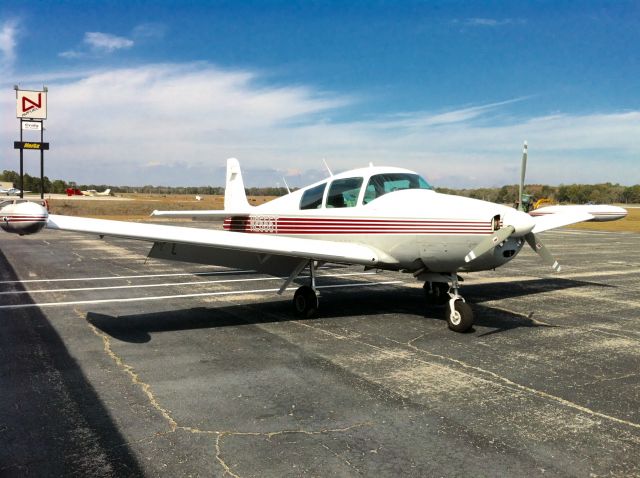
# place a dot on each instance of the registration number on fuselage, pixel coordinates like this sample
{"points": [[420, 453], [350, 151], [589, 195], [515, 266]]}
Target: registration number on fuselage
{"points": [[263, 224]]}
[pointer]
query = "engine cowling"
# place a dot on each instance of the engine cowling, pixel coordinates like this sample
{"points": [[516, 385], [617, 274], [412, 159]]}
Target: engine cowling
{"points": [[22, 217]]}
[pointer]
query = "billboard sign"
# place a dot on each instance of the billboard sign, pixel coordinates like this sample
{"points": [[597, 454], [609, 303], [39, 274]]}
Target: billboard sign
{"points": [[31, 125], [30, 145], [31, 104]]}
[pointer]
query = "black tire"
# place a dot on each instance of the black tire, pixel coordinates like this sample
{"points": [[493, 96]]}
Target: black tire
{"points": [[462, 320], [305, 302], [439, 293]]}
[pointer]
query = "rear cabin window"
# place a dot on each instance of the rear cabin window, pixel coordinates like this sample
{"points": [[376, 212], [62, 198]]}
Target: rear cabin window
{"points": [[344, 192], [312, 198], [381, 184]]}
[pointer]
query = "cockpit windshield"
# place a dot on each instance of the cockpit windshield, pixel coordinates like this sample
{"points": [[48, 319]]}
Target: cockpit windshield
{"points": [[381, 184]]}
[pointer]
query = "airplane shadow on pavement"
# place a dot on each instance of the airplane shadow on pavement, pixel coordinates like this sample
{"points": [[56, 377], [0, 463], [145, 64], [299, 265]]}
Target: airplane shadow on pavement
{"points": [[335, 304]]}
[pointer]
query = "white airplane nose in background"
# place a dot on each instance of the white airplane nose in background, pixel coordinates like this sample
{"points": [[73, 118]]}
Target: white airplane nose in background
{"points": [[521, 222]]}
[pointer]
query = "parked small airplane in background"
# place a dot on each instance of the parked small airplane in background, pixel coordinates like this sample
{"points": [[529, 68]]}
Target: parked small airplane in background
{"points": [[378, 217], [93, 192], [11, 191]]}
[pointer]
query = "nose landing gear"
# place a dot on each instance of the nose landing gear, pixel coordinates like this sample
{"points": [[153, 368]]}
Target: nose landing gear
{"points": [[458, 313]]}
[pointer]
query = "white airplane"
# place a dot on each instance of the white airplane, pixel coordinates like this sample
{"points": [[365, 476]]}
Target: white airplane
{"points": [[378, 217], [93, 192], [11, 191]]}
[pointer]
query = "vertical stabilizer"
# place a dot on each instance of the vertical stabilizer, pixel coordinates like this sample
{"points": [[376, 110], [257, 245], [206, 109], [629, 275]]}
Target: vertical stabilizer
{"points": [[235, 198]]}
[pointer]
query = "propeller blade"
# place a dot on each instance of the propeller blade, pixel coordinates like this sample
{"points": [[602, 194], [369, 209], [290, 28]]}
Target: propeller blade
{"points": [[542, 251], [523, 171], [490, 242]]}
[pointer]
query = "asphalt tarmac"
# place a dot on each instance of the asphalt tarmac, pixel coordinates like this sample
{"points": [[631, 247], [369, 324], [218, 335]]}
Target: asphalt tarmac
{"points": [[110, 366]]}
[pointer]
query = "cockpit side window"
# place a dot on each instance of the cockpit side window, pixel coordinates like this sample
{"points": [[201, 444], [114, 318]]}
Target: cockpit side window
{"points": [[381, 184], [312, 198], [344, 192]]}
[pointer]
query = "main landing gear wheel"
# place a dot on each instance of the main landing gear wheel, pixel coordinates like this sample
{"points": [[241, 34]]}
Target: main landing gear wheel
{"points": [[305, 302], [460, 319], [437, 293]]}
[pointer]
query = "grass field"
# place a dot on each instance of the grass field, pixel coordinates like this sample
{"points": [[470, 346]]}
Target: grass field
{"points": [[140, 206]]}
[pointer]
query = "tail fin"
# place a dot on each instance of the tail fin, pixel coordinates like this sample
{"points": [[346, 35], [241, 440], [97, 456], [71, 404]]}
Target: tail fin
{"points": [[235, 197]]}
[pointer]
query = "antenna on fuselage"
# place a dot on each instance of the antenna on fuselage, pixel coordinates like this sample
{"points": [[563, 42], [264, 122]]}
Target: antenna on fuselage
{"points": [[286, 185], [523, 171], [327, 166]]}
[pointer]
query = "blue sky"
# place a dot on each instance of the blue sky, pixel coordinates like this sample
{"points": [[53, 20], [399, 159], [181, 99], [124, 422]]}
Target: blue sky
{"points": [[163, 92]]}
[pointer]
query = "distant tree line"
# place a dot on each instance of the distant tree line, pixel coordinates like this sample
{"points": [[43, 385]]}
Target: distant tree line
{"points": [[58, 186], [565, 193]]}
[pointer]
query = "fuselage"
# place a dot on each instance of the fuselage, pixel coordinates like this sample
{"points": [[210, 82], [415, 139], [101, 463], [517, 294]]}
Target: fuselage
{"points": [[392, 210]]}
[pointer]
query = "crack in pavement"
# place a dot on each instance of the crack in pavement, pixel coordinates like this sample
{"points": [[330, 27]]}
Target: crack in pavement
{"points": [[475, 372], [175, 426]]}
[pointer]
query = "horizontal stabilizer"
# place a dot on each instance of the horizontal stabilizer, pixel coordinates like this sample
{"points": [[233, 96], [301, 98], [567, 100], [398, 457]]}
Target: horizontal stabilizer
{"points": [[214, 214]]}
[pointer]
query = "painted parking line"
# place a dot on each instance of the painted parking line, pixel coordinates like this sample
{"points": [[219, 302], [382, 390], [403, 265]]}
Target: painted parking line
{"points": [[172, 284], [185, 296], [177, 274]]}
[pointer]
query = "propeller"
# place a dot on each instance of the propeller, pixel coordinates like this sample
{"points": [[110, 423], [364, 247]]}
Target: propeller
{"points": [[519, 223], [542, 251]]}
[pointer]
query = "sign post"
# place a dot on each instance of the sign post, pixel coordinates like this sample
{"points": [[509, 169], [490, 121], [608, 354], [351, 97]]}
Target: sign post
{"points": [[31, 110]]}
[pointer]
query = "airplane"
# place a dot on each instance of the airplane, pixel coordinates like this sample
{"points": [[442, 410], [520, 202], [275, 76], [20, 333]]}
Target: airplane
{"points": [[11, 191], [93, 192], [385, 218]]}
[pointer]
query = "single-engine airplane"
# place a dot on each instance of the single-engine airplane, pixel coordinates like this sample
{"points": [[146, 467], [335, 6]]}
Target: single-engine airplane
{"points": [[11, 191], [93, 192], [378, 217]]}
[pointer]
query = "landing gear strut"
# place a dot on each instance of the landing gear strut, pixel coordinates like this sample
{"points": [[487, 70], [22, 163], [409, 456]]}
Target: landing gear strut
{"points": [[457, 312], [305, 300]]}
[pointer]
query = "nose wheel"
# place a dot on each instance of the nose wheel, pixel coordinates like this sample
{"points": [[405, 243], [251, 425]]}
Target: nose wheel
{"points": [[459, 315]]}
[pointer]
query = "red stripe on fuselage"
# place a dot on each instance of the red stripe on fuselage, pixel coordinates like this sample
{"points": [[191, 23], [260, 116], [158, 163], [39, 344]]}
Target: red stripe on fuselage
{"points": [[293, 225]]}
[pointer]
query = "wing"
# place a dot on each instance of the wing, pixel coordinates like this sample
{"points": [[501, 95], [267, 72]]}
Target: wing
{"points": [[270, 254], [598, 212], [559, 219], [551, 217]]}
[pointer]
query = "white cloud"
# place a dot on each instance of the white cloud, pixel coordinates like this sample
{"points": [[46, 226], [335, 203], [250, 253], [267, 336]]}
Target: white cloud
{"points": [[97, 43], [71, 54], [106, 42], [8, 43], [491, 22], [149, 30], [176, 124]]}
